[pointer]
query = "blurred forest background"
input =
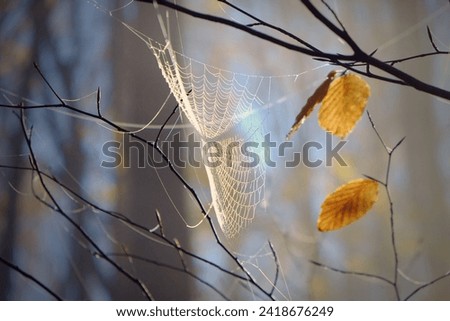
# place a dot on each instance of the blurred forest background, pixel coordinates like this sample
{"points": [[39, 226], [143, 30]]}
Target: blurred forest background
{"points": [[80, 48]]}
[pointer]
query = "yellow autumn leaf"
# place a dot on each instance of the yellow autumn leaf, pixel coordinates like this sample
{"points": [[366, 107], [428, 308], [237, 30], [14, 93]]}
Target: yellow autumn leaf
{"points": [[344, 104], [313, 100], [347, 204]]}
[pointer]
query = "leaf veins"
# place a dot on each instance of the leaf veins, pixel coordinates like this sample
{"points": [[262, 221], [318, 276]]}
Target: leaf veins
{"points": [[344, 104], [347, 204]]}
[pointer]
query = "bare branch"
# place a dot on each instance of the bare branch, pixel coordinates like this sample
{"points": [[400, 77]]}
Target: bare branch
{"points": [[57, 208], [346, 61], [48, 84]]}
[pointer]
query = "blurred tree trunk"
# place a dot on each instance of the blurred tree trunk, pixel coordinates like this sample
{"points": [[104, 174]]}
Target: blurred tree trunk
{"points": [[41, 48], [9, 213], [11, 144]]}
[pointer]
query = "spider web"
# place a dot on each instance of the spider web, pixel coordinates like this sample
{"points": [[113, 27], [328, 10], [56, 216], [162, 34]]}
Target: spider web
{"points": [[212, 99], [220, 105]]}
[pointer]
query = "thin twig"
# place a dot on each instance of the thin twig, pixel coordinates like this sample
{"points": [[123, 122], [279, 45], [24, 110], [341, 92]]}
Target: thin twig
{"points": [[98, 102], [430, 36], [180, 254], [377, 133], [414, 57], [164, 124], [367, 275], [63, 103], [426, 285], [159, 219], [30, 277], [277, 266], [335, 15], [394, 244]]}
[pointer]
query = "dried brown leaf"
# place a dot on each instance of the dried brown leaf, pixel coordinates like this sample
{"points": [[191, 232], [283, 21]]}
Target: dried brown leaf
{"points": [[313, 100], [347, 204], [344, 104]]}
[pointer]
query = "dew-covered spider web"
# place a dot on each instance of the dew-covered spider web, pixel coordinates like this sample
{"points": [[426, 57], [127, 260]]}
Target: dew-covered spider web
{"points": [[222, 106]]}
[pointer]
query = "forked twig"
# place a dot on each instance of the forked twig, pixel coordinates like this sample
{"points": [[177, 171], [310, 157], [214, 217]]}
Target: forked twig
{"points": [[385, 184], [389, 152], [54, 204]]}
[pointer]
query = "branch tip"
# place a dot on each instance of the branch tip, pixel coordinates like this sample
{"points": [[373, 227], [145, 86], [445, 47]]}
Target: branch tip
{"points": [[397, 145], [430, 37], [98, 102]]}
